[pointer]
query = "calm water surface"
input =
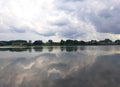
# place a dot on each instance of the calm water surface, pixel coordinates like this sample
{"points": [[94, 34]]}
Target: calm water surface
{"points": [[97, 66]]}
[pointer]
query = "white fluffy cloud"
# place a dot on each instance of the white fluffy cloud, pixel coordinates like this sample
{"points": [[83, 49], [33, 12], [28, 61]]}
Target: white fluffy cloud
{"points": [[59, 19]]}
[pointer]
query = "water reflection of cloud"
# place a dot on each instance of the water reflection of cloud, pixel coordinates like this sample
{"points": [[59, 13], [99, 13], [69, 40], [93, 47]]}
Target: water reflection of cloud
{"points": [[61, 69], [103, 73], [46, 65], [28, 66]]}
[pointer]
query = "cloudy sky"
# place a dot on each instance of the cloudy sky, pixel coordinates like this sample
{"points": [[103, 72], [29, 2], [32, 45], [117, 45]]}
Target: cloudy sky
{"points": [[59, 19]]}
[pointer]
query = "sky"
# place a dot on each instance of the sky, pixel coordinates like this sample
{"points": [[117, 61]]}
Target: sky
{"points": [[59, 19]]}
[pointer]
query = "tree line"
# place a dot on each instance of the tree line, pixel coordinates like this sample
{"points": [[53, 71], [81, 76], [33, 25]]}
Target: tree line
{"points": [[61, 43]]}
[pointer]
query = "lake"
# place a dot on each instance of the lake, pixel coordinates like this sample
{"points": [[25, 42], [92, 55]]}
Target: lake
{"points": [[82, 66]]}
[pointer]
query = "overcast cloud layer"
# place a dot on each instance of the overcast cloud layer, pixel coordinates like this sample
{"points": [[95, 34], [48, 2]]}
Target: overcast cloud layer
{"points": [[59, 19]]}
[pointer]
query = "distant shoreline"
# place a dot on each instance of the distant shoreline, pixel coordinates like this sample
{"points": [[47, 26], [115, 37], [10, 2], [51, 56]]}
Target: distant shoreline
{"points": [[40, 43]]}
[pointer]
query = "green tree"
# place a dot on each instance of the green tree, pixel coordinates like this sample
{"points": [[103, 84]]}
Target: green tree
{"points": [[38, 42]]}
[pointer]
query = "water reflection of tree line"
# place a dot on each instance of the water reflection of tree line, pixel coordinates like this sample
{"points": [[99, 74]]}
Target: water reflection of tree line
{"points": [[40, 49], [15, 49], [69, 49]]}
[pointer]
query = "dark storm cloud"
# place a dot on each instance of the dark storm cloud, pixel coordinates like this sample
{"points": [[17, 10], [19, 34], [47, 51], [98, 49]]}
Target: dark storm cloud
{"points": [[104, 16], [14, 29], [70, 32], [18, 30], [60, 23], [66, 28], [72, 0], [107, 21], [44, 34]]}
